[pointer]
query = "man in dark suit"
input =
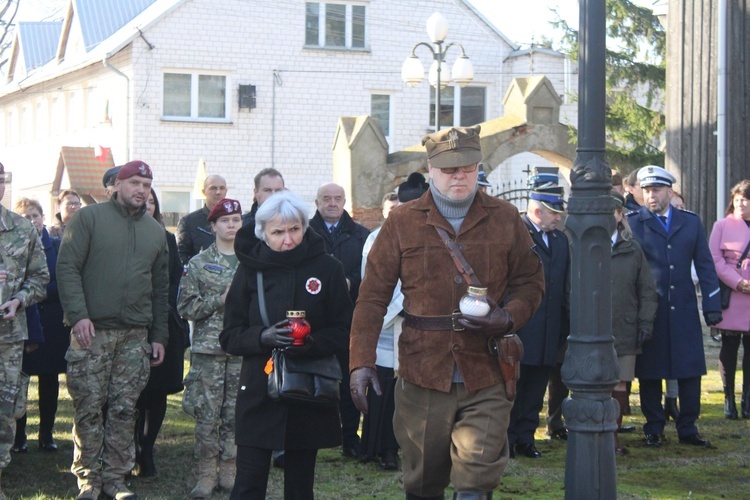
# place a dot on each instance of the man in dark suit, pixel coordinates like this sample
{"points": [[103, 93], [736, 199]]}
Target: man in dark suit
{"points": [[193, 230], [344, 239], [543, 335], [673, 239]]}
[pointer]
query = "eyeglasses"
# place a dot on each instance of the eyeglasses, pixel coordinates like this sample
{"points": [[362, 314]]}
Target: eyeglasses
{"points": [[467, 169], [73, 204]]}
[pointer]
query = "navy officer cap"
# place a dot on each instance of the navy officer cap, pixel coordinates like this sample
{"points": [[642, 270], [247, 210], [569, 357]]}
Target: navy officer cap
{"points": [[651, 175], [110, 176], [550, 196]]}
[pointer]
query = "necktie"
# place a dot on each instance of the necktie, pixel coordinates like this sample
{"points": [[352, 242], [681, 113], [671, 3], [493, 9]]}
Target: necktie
{"points": [[331, 229], [663, 219]]}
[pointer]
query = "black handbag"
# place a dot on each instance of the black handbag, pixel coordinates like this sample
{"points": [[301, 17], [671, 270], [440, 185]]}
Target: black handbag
{"points": [[300, 380], [724, 290]]}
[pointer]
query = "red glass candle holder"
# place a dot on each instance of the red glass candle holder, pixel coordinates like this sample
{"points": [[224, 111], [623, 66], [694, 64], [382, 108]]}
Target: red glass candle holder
{"points": [[299, 325]]}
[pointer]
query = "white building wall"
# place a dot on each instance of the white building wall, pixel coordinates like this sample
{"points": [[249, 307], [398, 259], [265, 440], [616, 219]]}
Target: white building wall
{"points": [[301, 93]]}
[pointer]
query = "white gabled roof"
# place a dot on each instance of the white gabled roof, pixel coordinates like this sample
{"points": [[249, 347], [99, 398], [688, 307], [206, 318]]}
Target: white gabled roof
{"points": [[486, 21], [96, 21]]}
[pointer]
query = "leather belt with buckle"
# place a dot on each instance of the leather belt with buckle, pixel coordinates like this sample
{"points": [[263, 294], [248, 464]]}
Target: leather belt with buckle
{"points": [[433, 323]]}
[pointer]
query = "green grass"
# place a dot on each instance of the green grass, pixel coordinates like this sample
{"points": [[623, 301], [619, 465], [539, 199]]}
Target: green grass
{"points": [[671, 472]]}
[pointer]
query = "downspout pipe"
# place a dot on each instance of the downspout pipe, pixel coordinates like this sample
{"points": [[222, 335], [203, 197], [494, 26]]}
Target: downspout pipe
{"points": [[721, 114], [107, 65]]}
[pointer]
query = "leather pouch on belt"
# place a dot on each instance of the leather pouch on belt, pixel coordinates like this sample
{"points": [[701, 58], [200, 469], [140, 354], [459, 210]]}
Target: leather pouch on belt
{"points": [[509, 351]]}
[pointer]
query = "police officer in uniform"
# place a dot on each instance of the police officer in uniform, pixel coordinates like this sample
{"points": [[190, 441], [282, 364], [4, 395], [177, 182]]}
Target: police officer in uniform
{"points": [[673, 239]]}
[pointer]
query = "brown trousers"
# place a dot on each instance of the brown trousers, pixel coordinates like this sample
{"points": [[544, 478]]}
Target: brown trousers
{"points": [[457, 437]]}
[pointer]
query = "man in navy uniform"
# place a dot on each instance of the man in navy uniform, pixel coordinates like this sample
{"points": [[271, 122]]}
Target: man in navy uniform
{"points": [[547, 329], [672, 240]]}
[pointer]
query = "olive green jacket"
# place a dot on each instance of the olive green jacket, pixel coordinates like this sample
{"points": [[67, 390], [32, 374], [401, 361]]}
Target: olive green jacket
{"points": [[113, 269]]}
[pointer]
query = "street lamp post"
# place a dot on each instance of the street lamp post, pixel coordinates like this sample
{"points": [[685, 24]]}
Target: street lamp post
{"points": [[412, 72]]}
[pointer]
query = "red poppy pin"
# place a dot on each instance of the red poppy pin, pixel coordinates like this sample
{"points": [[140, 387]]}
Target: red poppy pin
{"points": [[313, 286]]}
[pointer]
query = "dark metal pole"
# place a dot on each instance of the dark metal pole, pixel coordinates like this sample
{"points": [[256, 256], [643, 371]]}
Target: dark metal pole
{"points": [[590, 369], [439, 59]]}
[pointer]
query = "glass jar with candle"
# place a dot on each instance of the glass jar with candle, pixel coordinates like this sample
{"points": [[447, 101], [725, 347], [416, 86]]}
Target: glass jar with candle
{"points": [[299, 326], [474, 303]]}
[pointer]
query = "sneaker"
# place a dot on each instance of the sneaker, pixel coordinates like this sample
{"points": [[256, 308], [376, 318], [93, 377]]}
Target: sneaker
{"points": [[118, 491]]}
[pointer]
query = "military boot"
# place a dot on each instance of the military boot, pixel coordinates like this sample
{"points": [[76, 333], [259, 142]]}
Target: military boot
{"points": [[119, 491], [207, 479], [227, 470]]}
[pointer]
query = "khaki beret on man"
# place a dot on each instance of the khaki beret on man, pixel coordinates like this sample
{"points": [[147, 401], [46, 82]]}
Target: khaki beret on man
{"points": [[453, 147]]}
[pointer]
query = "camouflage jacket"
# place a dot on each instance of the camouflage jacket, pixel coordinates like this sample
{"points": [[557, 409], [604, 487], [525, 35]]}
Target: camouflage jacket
{"points": [[204, 280], [22, 255]]}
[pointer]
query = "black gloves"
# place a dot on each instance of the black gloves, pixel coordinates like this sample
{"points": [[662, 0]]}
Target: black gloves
{"points": [[497, 323], [276, 335], [643, 337], [359, 379], [294, 351], [713, 317]]}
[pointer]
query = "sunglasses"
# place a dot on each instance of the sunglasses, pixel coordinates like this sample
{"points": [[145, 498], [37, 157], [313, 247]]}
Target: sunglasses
{"points": [[467, 169]]}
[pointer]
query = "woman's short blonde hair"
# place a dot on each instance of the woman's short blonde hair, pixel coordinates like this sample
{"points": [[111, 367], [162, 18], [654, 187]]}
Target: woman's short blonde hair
{"points": [[23, 203]]}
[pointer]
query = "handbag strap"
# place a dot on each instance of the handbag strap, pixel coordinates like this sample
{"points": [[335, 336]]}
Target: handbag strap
{"points": [[458, 258], [262, 300], [744, 254]]}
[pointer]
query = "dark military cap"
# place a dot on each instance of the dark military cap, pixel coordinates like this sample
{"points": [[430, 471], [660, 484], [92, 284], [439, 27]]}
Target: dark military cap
{"points": [[453, 147], [110, 176], [551, 197]]}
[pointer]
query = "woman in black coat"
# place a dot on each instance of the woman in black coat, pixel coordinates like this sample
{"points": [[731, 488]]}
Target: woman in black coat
{"points": [[167, 378], [47, 360], [297, 275]]}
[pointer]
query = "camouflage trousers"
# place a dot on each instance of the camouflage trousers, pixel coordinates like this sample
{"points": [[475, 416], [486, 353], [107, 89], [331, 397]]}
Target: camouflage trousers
{"points": [[10, 375], [211, 396], [112, 371]]}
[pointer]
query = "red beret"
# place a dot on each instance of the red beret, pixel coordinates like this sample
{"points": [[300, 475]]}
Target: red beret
{"points": [[135, 167], [226, 206]]}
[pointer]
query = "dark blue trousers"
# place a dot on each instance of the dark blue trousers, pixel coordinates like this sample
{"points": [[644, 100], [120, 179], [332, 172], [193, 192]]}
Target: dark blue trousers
{"points": [[690, 406], [524, 417]]}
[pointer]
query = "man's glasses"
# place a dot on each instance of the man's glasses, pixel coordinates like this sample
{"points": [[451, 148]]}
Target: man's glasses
{"points": [[467, 169]]}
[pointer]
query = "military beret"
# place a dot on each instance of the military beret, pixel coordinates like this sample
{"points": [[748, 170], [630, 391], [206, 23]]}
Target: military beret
{"points": [[550, 196], [110, 175], [652, 175], [453, 147], [227, 206], [135, 167], [412, 188]]}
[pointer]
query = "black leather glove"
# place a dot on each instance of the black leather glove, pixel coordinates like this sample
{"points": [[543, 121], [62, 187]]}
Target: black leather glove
{"points": [[359, 379], [276, 335], [497, 323], [643, 337], [294, 351], [713, 317]]}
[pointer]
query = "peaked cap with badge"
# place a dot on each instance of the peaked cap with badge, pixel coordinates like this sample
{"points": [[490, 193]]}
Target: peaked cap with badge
{"points": [[543, 183], [453, 147], [651, 175]]}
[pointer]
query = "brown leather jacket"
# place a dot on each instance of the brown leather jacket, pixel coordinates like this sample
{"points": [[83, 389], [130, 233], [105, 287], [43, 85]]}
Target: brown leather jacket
{"points": [[494, 241]]}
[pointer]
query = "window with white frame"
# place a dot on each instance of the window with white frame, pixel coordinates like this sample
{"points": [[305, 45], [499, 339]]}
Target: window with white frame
{"points": [[380, 108], [471, 108], [174, 205], [194, 96], [338, 25]]}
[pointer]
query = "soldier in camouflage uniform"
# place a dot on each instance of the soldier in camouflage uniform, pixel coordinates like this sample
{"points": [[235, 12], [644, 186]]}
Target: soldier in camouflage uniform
{"points": [[112, 275], [211, 384], [23, 281]]}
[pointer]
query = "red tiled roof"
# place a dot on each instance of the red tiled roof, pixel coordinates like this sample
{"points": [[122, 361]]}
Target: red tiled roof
{"points": [[85, 170]]}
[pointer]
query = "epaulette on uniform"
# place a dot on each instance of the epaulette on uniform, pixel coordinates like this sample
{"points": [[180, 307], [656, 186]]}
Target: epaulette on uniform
{"points": [[688, 212], [632, 212]]}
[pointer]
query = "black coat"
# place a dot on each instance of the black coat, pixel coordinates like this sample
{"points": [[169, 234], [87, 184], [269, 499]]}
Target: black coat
{"points": [[346, 245], [49, 358], [304, 278], [194, 234], [548, 328], [167, 377]]}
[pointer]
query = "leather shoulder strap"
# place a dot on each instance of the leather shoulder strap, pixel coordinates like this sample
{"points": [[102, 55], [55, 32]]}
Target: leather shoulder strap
{"points": [[459, 260], [262, 300], [744, 254]]}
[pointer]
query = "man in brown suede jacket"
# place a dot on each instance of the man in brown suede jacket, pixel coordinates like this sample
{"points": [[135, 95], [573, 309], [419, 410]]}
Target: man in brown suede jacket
{"points": [[452, 410]]}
